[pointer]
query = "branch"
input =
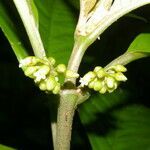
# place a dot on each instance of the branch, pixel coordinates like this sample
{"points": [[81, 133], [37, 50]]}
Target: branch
{"points": [[94, 20], [126, 58], [31, 27]]}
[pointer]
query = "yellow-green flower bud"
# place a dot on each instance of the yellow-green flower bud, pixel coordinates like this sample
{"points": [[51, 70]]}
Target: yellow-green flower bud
{"points": [[41, 73], [91, 84], [71, 74], [103, 90], [96, 69], [101, 73], [87, 78], [29, 61], [120, 68], [56, 90], [61, 68], [29, 71], [120, 76], [42, 86], [98, 85], [45, 69], [52, 61], [110, 82], [110, 71], [110, 90], [51, 83]]}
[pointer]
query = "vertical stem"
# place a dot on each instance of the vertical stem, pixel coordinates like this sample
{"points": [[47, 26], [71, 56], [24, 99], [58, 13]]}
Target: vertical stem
{"points": [[68, 101], [78, 51], [76, 56]]}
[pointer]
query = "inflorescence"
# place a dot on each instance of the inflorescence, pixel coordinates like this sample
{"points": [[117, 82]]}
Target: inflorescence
{"points": [[104, 80], [45, 72]]}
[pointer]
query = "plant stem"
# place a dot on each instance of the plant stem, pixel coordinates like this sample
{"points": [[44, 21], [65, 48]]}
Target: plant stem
{"points": [[31, 27], [126, 58], [66, 109], [69, 99], [78, 51]]}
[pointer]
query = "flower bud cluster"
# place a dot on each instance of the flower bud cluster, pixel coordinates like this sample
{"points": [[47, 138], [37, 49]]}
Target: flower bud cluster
{"points": [[45, 73], [104, 80]]}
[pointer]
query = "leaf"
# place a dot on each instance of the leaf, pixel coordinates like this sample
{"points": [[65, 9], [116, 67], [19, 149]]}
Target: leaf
{"points": [[140, 44], [2, 147], [10, 30], [112, 124], [57, 25]]}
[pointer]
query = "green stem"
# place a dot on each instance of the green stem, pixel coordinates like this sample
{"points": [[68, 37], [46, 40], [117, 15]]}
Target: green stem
{"points": [[67, 106], [78, 51], [31, 27], [126, 58]]}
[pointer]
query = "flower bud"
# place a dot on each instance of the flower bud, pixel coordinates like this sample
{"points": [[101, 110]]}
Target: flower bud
{"points": [[42, 86], [103, 90], [87, 78], [97, 69], [29, 71], [120, 77], [101, 73], [110, 82], [98, 85], [120, 68], [111, 71], [30, 60], [41, 73], [52, 61], [61, 68], [56, 90], [91, 84], [110, 90], [50, 83], [45, 69]]}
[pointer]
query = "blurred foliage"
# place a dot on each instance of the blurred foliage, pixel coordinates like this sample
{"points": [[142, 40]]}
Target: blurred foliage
{"points": [[118, 121], [3, 147], [10, 28]]}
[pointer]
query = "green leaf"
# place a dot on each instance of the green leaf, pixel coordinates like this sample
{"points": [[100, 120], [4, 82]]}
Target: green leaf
{"points": [[57, 25], [140, 44], [2, 147], [9, 27], [112, 124]]}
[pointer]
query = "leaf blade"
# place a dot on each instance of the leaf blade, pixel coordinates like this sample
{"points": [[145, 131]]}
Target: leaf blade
{"points": [[140, 44], [10, 31], [117, 128], [57, 24]]}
